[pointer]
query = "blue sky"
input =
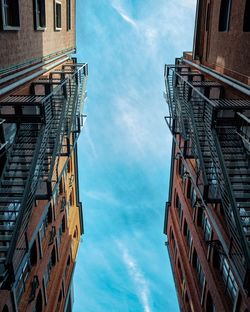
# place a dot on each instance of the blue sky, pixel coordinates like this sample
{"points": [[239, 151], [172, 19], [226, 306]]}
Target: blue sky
{"points": [[124, 152]]}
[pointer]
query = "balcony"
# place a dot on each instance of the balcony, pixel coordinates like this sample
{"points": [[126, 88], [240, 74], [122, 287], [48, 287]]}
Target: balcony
{"points": [[212, 136], [43, 121]]}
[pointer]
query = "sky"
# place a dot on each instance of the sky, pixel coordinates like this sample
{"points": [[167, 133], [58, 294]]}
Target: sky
{"points": [[124, 152]]}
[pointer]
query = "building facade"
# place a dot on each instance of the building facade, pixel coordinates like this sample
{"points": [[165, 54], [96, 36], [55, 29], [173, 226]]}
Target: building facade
{"points": [[42, 91], [207, 220]]}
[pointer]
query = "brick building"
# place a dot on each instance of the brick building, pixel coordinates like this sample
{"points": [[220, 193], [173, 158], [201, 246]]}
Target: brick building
{"points": [[42, 90], [207, 218]]}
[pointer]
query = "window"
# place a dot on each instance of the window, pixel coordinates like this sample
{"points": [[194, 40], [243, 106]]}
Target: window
{"points": [[189, 239], [208, 16], [206, 227], [63, 224], [228, 278], [20, 287], [209, 303], [71, 198], [225, 10], [246, 24], [187, 234], [5, 308], [181, 168], [39, 302], [58, 14], [75, 233], [179, 207], [33, 254], [193, 196], [50, 214], [59, 302], [60, 233], [61, 186], [55, 196], [198, 268], [68, 14], [10, 15], [47, 275], [39, 14], [189, 185]]}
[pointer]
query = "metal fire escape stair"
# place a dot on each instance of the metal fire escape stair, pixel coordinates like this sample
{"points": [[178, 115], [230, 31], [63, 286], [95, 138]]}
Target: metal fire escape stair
{"points": [[43, 122], [18, 183], [220, 152], [237, 163]]}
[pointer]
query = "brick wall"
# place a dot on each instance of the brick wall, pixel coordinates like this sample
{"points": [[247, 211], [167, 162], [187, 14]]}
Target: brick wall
{"points": [[26, 44]]}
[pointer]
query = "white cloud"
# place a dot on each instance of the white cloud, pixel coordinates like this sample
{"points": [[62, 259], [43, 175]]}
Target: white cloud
{"points": [[136, 275], [138, 133], [103, 196], [171, 21], [123, 13], [90, 141]]}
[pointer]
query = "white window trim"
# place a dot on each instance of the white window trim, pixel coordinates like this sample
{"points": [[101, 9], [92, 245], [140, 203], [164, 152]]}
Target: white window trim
{"points": [[4, 25], [57, 2]]}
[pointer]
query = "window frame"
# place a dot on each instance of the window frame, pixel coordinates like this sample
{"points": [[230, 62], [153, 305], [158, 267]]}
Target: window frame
{"points": [[228, 278], [69, 14], [246, 22], [4, 25], [206, 227], [36, 15], [56, 27], [199, 270], [228, 17]]}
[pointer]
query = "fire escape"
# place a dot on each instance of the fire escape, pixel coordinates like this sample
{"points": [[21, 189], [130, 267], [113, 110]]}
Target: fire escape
{"points": [[47, 124], [215, 136]]}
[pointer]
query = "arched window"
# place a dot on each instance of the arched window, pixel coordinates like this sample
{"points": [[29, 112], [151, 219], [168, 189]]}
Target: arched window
{"points": [[5, 308], [68, 261], [71, 198], [76, 232]]}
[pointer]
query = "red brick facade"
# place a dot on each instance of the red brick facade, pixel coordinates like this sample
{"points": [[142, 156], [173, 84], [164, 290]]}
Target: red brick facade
{"points": [[45, 87], [209, 261]]}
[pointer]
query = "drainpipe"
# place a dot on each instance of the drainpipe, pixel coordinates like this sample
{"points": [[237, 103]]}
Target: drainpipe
{"points": [[240, 86], [32, 76]]}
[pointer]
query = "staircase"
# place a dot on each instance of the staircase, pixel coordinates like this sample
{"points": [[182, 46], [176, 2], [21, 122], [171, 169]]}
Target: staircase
{"points": [[13, 182], [33, 157], [221, 157], [237, 164]]}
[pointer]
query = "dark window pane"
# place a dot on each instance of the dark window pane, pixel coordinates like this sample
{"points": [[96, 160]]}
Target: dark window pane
{"points": [[68, 14], [10, 13], [225, 9], [58, 15], [246, 25]]}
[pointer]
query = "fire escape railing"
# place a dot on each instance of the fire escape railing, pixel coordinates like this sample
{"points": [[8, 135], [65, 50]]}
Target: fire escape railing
{"points": [[49, 116], [202, 113], [180, 121]]}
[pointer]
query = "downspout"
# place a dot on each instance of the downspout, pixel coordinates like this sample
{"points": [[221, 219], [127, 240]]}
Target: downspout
{"points": [[240, 86], [30, 77]]}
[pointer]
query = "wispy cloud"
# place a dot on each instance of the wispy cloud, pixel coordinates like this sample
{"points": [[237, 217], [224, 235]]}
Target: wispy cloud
{"points": [[123, 13], [90, 141], [136, 275], [170, 23], [103, 196]]}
